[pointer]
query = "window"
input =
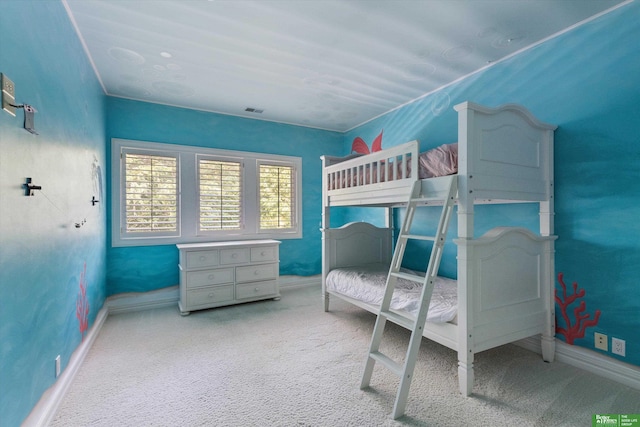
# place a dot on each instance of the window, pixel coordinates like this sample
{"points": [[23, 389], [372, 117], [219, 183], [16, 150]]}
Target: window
{"points": [[277, 197], [220, 189], [150, 193], [165, 194]]}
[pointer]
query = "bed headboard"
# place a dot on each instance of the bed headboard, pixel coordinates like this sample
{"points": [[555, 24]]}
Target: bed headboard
{"points": [[357, 243], [505, 153]]}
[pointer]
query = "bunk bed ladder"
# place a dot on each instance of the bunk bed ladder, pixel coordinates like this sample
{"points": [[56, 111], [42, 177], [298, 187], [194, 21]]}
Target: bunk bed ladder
{"points": [[405, 370]]}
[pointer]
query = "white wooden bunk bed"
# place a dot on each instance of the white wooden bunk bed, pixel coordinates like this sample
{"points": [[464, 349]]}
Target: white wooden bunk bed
{"points": [[505, 278]]}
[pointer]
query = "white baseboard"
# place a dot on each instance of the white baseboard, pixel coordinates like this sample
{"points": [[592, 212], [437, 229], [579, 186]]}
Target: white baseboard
{"points": [[590, 361], [290, 282], [45, 410], [137, 301], [127, 302]]}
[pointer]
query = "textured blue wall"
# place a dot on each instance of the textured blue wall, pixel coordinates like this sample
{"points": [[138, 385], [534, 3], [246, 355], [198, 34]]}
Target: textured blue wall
{"points": [[42, 254], [139, 269], [587, 81]]}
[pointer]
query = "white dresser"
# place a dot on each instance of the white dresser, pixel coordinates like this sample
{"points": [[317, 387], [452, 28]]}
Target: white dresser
{"points": [[225, 273]]}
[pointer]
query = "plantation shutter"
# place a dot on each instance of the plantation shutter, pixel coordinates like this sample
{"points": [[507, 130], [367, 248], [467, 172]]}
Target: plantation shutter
{"points": [[220, 201], [277, 201], [150, 193]]}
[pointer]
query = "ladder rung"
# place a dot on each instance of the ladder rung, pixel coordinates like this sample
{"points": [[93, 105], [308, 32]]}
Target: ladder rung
{"points": [[418, 237], [412, 277], [391, 364], [400, 319], [427, 199]]}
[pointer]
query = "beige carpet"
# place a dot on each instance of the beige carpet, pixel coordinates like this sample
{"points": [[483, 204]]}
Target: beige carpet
{"points": [[287, 363]]}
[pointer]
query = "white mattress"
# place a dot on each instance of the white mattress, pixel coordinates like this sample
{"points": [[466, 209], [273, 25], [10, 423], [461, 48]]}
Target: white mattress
{"points": [[366, 283]]}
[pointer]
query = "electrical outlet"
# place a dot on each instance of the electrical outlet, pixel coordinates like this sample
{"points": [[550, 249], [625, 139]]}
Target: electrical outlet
{"points": [[600, 341], [58, 366], [618, 346]]}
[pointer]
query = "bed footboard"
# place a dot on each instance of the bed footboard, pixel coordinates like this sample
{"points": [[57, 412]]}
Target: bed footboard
{"points": [[505, 287], [504, 293]]}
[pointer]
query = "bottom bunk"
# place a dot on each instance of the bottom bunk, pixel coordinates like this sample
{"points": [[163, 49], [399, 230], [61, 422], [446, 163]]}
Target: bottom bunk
{"points": [[504, 290], [366, 283]]}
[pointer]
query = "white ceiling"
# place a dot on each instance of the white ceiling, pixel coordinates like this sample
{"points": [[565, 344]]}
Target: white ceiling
{"points": [[330, 64]]}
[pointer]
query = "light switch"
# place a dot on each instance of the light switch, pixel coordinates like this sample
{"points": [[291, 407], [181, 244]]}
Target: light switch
{"points": [[8, 95]]}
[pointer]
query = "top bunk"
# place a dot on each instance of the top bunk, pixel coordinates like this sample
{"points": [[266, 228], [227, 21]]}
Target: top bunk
{"points": [[503, 155]]}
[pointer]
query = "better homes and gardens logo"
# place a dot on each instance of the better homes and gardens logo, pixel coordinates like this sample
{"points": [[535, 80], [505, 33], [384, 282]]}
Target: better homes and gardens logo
{"points": [[610, 420]]}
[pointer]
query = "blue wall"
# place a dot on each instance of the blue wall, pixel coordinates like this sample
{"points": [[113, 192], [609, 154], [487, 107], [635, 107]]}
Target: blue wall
{"points": [[43, 255], [139, 269], [587, 81]]}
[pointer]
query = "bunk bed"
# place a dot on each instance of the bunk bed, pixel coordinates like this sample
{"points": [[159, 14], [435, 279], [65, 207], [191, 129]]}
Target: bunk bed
{"points": [[505, 278]]}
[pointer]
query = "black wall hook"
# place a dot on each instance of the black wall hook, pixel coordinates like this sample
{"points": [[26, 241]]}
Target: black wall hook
{"points": [[94, 201], [28, 187]]}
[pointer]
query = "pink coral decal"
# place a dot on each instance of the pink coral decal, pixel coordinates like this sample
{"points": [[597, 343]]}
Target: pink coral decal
{"points": [[359, 146], [82, 305], [582, 321]]}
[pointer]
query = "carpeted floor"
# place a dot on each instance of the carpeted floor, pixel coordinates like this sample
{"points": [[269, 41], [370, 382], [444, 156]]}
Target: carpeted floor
{"points": [[287, 363]]}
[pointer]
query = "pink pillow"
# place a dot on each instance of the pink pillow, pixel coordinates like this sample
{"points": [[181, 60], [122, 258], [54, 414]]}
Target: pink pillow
{"points": [[439, 161]]}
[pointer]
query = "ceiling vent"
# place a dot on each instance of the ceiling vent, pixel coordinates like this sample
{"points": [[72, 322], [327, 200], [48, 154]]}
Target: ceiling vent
{"points": [[253, 110]]}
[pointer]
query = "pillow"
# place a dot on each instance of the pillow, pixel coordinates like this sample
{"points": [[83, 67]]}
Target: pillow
{"points": [[439, 161]]}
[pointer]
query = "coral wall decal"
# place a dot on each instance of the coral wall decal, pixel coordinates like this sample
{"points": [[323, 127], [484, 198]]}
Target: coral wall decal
{"points": [[82, 304], [359, 146], [582, 321]]}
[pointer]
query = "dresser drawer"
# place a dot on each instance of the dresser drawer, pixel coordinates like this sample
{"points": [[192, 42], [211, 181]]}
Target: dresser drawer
{"points": [[265, 253], [200, 259], [196, 279], [208, 296], [254, 273], [255, 290], [234, 256]]}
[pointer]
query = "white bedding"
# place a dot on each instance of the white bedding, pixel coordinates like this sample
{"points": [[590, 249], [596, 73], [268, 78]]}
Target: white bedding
{"points": [[366, 283]]}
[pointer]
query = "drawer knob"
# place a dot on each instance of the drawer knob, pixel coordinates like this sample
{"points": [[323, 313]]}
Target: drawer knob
{"points": [[257, 289], [211, 276], [234, 256], [256, 272], [211, 295], [263, 253], [202, 258]]}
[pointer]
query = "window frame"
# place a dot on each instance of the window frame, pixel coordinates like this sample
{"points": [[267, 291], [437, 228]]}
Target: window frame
{"points": [[188, 194]]}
